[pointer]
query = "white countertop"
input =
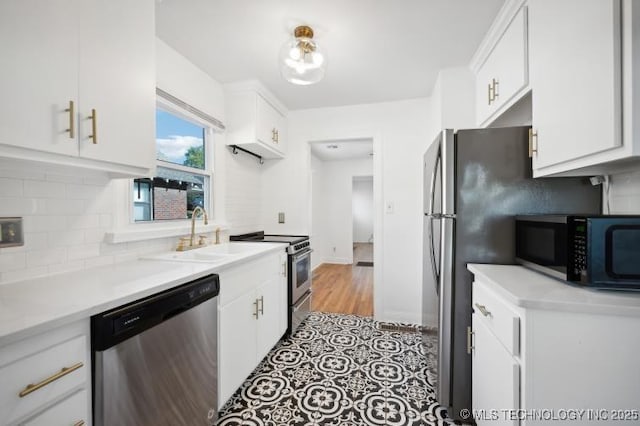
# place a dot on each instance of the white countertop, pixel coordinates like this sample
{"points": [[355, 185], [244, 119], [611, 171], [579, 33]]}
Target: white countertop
{"points": [[530, 289], [33, 306]]}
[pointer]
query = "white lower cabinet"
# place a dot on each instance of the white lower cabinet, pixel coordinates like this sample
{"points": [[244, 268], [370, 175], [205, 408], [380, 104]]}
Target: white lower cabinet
{"points": [[496, 378], [46, 379], [537, 361], [252, 298]]}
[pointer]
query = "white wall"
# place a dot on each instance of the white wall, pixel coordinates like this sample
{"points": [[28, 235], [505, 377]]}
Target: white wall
{"points": [[331, 215], [362, 207], [66, 217], [399, 131]]}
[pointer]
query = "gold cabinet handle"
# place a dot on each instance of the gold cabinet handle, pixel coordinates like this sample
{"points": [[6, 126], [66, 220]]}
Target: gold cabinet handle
{"points": [[261, 309], [277, 136], [32, 388], [94, 127], [495, 84], [470, 346], [72, 120], [255, 312], [483, 310], [80, 423], [489, 94], [533, 136]]}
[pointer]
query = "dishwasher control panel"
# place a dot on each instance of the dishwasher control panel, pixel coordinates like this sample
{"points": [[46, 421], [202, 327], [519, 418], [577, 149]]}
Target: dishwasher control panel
{"points": [[114, 326]]}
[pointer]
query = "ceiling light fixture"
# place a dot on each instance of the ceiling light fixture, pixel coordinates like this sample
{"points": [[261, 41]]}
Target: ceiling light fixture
{"points": [[302, 61]]}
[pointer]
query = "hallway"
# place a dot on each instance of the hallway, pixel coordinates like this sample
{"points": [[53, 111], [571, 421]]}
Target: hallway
{"points": [[345, 289]]}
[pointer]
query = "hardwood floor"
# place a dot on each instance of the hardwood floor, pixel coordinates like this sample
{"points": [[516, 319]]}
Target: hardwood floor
{"points": [[345, 289]]}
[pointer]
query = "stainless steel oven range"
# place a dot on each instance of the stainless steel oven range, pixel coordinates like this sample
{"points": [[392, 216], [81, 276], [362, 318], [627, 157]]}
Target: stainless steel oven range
{"points": [[298, 274]]}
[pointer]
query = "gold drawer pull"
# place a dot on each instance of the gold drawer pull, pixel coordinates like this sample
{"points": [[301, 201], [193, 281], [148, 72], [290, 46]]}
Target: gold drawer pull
{"points": [[533, 138], [80, 423], [483, 310], [66, 370], [72, 113], [256, 310], [94, 126]]}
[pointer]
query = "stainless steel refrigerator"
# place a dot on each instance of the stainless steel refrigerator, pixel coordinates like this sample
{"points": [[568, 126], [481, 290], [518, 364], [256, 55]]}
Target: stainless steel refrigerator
{"points": [[475, 182]]}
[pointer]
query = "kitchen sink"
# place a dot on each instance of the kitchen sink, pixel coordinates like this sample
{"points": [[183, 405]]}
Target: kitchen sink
{"points": [[211, 254], [192, 256], [232, 248]]}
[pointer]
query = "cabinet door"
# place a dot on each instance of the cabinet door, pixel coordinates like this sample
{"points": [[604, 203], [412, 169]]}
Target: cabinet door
{"points": [[237, 343], [117, 79], [575, 72], [505, 72], [496, 378], [284, 296], [270, 124], [39, 74], [270, 323]]}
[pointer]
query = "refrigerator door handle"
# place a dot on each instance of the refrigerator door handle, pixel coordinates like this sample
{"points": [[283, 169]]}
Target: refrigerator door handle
{"points": [[434, 265], [434, 173]]}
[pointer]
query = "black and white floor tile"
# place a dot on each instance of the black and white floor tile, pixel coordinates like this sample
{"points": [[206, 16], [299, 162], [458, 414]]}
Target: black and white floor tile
{"points": [[340, 370]]}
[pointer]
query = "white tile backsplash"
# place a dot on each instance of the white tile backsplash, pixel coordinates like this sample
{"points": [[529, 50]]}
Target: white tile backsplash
{"points": [[44, 189], [11, 187], [624, 193], [64, 219], [243, 199]]}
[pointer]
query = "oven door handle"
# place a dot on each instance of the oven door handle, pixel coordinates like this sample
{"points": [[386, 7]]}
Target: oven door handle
{"points": [[301, 255]]}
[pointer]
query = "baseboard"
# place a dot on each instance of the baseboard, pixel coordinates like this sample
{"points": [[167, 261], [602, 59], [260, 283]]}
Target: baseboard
{"points": [[338, 260], [401, 317]]}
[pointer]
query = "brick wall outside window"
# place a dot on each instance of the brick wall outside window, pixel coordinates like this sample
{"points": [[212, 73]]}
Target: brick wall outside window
{"points": [[169, 204]]}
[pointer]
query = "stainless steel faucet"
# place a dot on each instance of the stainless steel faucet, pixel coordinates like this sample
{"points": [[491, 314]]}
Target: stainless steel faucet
{"points": [[194, 215]]}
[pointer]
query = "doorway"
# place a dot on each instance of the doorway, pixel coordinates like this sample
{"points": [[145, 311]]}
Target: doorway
{"points": [[342, 226], [362, 215]]}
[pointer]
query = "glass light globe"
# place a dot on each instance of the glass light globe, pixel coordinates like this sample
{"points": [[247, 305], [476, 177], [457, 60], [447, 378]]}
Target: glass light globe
{"points": [[302, 60]]}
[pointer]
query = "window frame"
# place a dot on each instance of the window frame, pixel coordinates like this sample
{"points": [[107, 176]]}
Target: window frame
{"points": [[208, 171]]}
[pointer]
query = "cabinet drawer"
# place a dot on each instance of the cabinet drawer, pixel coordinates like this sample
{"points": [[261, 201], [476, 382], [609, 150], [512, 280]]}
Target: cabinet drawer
{"points": [[45, 370], [236, 281], [68, 412], [497, 316]]}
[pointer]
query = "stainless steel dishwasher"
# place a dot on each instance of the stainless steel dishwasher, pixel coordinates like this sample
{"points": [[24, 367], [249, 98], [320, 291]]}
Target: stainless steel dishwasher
{"points": [[155, 360]]}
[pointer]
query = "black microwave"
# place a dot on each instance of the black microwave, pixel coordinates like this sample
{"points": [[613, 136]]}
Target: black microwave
{"points": [[595, 251]]}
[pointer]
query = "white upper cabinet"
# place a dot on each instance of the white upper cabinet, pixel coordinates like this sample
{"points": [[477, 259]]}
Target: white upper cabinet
{"points": [[576, 71], [502, 74], [67, 58], [256, 123], [39, 74], [117, 80]]}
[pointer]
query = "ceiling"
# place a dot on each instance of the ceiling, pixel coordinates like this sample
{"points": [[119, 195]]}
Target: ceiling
{"points": [[344, 149], [378, 50]]}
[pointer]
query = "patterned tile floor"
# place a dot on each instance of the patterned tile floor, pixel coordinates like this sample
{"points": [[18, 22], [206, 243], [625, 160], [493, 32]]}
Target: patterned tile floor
{"points": [[340, 370]]}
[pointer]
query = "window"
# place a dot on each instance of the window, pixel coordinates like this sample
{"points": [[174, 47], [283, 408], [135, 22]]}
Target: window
{"points": [[183, 176]]}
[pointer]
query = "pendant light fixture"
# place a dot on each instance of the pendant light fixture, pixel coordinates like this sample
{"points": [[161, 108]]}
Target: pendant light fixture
{"points": [[302, 61]]}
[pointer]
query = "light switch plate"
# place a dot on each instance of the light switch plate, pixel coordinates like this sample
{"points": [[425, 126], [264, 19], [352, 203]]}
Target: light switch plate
{"points": [[281, 217], [11, 232], [389, 207]]}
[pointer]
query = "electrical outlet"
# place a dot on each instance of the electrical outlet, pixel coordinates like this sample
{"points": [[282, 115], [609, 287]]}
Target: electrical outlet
{"points": [[281, 217], [11, 232]]}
